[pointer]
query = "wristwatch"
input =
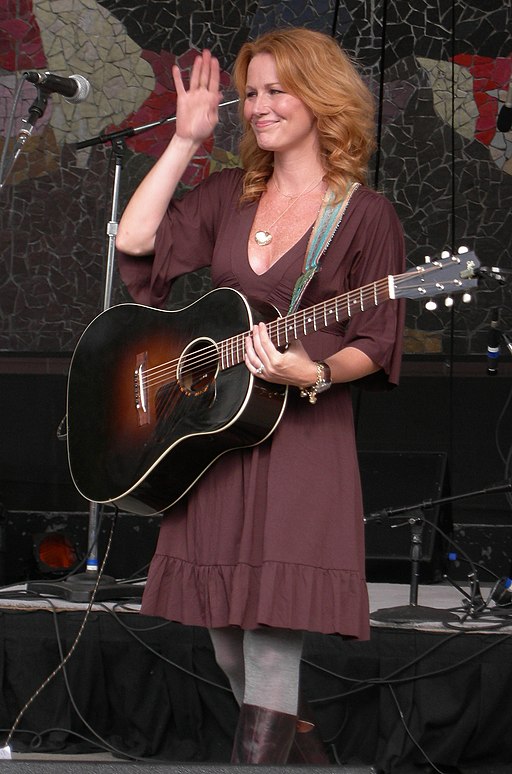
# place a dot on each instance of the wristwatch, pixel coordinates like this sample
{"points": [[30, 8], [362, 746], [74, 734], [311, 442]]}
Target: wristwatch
{"points": [[323, 382]]}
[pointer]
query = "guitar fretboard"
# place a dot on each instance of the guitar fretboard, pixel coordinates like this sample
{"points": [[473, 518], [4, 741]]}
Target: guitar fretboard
{"points": [[299, 324]]}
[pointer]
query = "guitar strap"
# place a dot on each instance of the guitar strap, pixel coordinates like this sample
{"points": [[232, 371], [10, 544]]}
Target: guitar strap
{"points": [[326, 225]]}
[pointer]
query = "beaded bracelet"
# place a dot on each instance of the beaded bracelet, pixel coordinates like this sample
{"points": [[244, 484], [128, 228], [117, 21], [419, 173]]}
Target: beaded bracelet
{"points": [[323, 382]]}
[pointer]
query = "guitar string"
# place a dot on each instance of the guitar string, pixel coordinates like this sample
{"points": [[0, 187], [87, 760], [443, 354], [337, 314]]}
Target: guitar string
{"points": [[209, 355], [230, 349], [157, 375]]}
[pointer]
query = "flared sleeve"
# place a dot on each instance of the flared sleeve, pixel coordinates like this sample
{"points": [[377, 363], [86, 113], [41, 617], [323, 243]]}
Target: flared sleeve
{"points": [[377, 251], [185, 240]]}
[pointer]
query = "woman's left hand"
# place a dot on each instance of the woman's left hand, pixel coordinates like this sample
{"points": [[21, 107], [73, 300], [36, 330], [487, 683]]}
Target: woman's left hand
{"points": [[293, 366]]}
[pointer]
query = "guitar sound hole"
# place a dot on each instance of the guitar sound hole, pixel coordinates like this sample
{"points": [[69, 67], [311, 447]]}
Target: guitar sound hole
{"points": [[198, 367]]}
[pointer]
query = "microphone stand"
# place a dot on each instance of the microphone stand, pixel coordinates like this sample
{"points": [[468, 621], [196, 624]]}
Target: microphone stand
{"points": [[82, 586], [131, 131], [413, 611], [35, 112]]}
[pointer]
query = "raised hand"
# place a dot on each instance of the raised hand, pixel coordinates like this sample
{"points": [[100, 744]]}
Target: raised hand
{"points": [[196, 118], [197, 108]]}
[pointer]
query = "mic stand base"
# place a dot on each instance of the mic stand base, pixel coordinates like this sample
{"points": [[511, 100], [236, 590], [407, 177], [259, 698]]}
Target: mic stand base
{"points": [[414, 612], [411, 614], [80, 588]]}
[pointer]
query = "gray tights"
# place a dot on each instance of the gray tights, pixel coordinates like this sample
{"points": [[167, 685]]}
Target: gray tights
{"points": [[262, 665]]}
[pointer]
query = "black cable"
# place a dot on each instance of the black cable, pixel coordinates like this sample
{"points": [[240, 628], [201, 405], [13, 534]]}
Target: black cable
{"points": [[370, 682], [452, 127], [380, 109], [484, 629], [409, 733], [390, 680], [137, 575], [451, 380], [132, 632], [462, 552], [161, 622], [106, 745], [100, 740], [334, 27], [475, 588], [63, 662], [38, 737], [506, 459]]}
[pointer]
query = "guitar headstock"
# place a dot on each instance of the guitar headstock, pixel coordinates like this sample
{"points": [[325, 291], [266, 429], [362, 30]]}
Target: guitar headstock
{"points": [[453, 274]]}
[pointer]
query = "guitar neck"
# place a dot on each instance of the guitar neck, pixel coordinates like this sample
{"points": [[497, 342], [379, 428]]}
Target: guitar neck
{"points": [[297, 325]]}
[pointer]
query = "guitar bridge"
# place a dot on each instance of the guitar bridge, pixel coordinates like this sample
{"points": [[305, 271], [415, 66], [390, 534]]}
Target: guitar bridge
{"points": [[140, 390]]}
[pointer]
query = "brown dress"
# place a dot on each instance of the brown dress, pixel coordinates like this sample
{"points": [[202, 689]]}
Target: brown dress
{"points": [[273, 534]]}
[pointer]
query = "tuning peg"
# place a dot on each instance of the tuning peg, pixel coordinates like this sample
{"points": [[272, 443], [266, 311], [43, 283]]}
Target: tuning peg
{"points": [[462, 249], [466, 298], [448, 301], [431, 305], [445, 254]]}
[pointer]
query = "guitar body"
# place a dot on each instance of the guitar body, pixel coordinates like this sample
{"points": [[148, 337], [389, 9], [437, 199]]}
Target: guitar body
{"points": [[151, 403]]}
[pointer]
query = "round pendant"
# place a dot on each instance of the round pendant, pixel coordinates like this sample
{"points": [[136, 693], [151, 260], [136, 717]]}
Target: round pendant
{"points": [[263, 238]]}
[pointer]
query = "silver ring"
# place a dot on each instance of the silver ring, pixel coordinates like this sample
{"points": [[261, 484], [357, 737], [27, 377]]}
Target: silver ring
{"points": [[260, 369]]}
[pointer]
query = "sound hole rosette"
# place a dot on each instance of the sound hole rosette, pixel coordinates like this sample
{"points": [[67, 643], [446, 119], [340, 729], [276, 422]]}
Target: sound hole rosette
{"points": [[198, 366]]}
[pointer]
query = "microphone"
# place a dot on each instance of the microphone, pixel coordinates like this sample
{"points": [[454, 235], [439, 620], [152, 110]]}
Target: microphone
{"points": [[504, 122], [74, 88], [493, 345]]}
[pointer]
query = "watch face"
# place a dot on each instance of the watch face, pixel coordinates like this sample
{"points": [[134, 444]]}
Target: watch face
{"points": [[323, 386]]}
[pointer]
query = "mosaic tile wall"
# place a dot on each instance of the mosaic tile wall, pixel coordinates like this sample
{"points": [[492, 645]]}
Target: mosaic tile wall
{"points": [[440, 71]]}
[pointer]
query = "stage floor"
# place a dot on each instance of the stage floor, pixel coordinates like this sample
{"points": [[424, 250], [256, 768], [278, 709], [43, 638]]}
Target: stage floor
{"points": [[390, 604], [430, 685]]}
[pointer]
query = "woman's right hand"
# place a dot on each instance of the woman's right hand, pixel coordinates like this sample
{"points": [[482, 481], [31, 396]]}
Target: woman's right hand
{"points": [[196, 117], [197, 111]]}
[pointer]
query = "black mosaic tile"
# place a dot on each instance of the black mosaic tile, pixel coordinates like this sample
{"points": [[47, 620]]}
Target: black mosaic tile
{"points": [[179, 25], [448, 185]]}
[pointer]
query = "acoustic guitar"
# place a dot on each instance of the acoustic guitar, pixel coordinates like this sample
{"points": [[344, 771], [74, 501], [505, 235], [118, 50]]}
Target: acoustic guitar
{"points": [[155, 396]]}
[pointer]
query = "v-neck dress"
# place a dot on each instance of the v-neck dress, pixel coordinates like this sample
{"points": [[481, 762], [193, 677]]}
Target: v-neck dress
{"points": [[273, 535]]}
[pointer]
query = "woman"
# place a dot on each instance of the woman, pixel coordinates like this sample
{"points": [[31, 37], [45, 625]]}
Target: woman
{"points": [[269, 543]]}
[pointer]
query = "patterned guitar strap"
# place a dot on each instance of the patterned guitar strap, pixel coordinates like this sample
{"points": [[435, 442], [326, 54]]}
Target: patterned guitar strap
{"points": [[326, 225]]}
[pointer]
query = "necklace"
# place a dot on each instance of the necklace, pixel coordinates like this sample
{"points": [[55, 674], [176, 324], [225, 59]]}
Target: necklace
{"points": [[287, 196], [264, 237]]}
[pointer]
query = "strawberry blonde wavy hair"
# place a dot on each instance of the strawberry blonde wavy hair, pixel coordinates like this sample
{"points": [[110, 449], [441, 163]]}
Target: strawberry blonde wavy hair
{"points": [[312, 67]]}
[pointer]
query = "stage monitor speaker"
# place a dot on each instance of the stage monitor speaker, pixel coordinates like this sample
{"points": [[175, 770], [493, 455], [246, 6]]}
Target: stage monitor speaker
{"points": [[392, 480], [55, 766]]}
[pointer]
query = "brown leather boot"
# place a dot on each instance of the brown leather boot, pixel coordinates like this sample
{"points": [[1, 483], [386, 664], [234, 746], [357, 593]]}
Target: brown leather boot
{"points": [[263, 735], [307, 745]]}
